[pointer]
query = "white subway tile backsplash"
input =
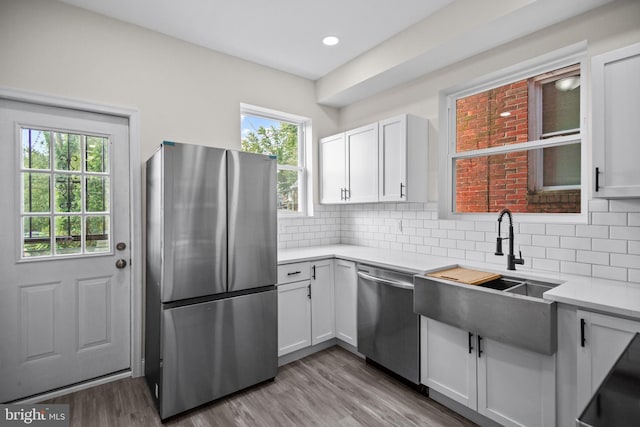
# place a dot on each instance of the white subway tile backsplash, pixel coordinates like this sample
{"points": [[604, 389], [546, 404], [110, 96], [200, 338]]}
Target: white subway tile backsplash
{"points": [[575, 242], [546, 241], [630, 205], [601, 231], [631, 233], [561, 254], [532, 228], [613, 273], [561, 229], [598, 205], [609, 218], [545, 264], [575, 268], [590, 257], [609, 245], [624, 260]]}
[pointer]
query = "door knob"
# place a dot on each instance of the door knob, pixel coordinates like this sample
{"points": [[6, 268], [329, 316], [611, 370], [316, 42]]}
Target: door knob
{"points": [[121, 263], [121, 246]]}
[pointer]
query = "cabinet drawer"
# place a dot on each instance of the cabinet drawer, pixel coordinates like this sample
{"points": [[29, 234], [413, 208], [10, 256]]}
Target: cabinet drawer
{"points": [[288, 273]]}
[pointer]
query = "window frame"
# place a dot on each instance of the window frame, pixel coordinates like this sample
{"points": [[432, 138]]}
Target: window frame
{"points": [[305, 207], [561, 58]]}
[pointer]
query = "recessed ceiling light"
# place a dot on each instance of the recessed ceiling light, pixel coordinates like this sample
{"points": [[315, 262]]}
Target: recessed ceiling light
{"points": [[330, 41]]}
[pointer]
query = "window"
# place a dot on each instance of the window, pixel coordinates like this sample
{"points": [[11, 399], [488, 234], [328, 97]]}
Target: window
{"points": [[281, 135], [518, 144], [66, 200]]}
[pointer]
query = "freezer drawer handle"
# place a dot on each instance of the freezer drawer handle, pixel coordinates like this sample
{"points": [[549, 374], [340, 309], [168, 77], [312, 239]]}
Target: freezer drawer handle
{"points": [[385, 281], [293, 273]]}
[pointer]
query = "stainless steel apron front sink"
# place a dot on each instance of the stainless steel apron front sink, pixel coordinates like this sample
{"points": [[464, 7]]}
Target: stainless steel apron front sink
{"points": [[510, 310]]}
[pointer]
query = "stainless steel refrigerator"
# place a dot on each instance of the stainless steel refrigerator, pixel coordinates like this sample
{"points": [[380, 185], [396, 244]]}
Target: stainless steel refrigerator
{"points": [[211, 303]]}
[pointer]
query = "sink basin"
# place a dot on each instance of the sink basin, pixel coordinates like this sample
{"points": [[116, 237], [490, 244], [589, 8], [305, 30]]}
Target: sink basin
{"points": [[509, 309], [501, 284]]}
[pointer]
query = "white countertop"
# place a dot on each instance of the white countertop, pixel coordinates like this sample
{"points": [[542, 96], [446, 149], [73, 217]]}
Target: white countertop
{"points": [[609, 296]]}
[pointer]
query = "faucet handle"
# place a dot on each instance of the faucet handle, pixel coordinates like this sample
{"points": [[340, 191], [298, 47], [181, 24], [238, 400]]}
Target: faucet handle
{"points": [[519, 260], [499, 246]]}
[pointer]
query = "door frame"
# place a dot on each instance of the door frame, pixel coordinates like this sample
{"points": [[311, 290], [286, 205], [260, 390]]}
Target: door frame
{"points": [[135, 194]]}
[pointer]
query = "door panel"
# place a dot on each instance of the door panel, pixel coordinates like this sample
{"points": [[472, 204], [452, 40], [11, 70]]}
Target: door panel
{"points": [[252, 206], [64, 306], [194, 220]]}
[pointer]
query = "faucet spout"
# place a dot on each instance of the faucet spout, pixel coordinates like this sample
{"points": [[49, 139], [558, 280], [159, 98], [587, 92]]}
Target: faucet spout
{"points": [[511, 258]]}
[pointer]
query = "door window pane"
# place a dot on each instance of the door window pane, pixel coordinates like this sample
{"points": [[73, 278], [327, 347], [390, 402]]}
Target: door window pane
{"points": [[36, 195], [67, 151], [97, 188], [68, 193], [97, 234], [36, 236], [35, 149], [68, 232], [97, 157]]}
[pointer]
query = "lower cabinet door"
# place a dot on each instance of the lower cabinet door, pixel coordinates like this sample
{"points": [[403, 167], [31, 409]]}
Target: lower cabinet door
{"points": [[294, 317], [516, 387], [323, 324], [601, 340], [448, 361], [346, 301]]}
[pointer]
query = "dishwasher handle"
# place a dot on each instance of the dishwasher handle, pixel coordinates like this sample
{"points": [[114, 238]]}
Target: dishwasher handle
{"points": [[393, 283]]}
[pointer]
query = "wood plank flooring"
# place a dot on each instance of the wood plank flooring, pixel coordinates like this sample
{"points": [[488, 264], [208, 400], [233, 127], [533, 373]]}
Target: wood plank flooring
{"points": [[330, 388]]}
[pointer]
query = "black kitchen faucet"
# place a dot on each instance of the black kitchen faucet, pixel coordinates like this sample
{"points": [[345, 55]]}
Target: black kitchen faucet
{"points": [[511, 258]]}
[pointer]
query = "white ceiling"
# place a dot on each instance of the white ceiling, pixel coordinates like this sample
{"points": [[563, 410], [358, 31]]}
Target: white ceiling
{"points": [[282, 34]]}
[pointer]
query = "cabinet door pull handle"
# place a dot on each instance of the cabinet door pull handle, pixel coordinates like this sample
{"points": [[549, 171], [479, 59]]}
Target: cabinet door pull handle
{"points": [[479, 346], [313, 274], [597, 179], [582, 336], [309, 293], [470, 342], [342, 194], [293, 273], [401, 190]]}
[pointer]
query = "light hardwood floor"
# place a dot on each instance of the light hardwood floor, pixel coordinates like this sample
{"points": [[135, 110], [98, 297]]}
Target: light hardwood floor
{"points": [[329, 388]]}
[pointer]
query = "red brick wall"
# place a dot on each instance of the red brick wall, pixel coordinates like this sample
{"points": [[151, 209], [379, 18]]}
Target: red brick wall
{"points": [[490, 183]]}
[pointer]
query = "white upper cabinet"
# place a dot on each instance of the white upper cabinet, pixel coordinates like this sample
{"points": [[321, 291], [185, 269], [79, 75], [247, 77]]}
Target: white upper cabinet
{"points": [[333, 169], [616, 128], [384, 161], [362, 164], [402, 159]]}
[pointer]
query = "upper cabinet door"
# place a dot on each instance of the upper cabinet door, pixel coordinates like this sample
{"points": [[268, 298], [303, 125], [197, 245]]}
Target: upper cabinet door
{"points": [[392, 146], [616, 128], [362, 164], [332, 169]]}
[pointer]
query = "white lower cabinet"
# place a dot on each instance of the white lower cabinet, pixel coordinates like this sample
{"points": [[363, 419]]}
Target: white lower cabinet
{"points": [[305, 307], [294, 317], [510, 385], [601, 340], [346, 301], [323, 326]]}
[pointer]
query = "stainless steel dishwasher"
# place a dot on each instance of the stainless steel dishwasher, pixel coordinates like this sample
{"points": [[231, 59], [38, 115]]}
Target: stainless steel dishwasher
{"points": [[388, 329]]}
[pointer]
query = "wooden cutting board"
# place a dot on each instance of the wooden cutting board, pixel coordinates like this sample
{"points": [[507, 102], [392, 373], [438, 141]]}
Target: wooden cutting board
{"points": [[465, 275]]}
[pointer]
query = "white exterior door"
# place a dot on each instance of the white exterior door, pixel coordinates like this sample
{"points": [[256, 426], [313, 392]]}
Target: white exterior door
{"points": [[64, 305]]}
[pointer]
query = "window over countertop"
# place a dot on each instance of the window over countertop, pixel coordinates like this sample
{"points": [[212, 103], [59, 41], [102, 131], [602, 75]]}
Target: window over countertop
{"points": [[516, 139], [286, 136]]}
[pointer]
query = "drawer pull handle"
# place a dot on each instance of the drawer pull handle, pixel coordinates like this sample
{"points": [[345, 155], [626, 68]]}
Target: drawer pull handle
{"points": [[293, 273]]}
